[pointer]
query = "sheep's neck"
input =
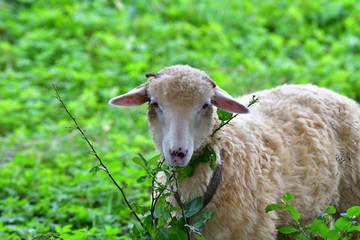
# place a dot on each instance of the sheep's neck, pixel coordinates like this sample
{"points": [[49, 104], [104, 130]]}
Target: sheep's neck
{"points": [[211, 187]]}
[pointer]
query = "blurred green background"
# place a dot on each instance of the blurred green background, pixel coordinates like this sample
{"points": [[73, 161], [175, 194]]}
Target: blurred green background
{"points": [[95, 50]]}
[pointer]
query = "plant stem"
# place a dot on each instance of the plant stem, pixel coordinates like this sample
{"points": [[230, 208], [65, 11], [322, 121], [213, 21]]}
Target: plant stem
{"points": [[302, 230], [181, 205], [154, 200], [252, 101], [97, 156], [223, 124]]}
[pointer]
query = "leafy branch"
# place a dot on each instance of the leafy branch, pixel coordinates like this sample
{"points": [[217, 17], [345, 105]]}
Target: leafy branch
{"points": [[181, 204], [162, 221], [102, 165]]}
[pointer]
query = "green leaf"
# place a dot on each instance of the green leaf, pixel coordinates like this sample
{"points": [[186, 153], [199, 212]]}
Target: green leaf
{"points": [[139, 208], [193, 207], [136, 231], [200, 237], [192, 228], [206, 156], [273, 206], [163, 234], [143, 159], [353, 212], [347, 237], [295, 214], [330, 210], [94, 170], [300, 237], [180, 224], [287, 229], [354, 228], [64, 229], [160, 210], [324, 217], [223, 115], [139, 161], [147, 221], [154, 159], [175, 234], [288, 197], [142, 179], [333, 234], [212, 156], [314, 227], [320, 227], [185, 172], [199, 221], [343, 223]]}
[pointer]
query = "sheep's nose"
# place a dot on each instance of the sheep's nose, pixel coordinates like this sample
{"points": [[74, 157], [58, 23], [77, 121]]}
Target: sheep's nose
{"points": [[178, 156]]}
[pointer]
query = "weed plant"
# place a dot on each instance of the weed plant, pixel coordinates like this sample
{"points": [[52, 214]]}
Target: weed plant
{"points": [[321, 228]]}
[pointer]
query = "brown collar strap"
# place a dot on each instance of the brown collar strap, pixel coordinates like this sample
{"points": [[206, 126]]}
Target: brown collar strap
{"points": [[213, 184], [211, 188]]}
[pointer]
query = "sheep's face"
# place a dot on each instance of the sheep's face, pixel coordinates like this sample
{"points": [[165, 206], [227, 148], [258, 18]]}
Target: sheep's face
{"points": [[181, 112], [180, 116], [179, 130]]}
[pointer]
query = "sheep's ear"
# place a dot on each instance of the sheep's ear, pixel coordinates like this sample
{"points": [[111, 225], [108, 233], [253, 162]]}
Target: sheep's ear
{"points": [[224, 101], [134, 97]]}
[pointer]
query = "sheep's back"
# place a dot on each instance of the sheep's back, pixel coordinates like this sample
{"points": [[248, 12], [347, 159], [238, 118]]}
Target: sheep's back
{"points": [[313, 135]]}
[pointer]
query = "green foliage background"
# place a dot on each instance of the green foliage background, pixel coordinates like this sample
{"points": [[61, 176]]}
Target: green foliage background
{"points": [[95, 50]]}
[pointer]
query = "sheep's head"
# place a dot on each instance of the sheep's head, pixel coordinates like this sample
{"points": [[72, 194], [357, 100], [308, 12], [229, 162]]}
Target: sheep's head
{"points": [[181, 109]]}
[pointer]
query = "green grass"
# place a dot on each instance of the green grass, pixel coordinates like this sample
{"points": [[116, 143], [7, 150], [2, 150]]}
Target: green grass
{"points": [[95, 50]]}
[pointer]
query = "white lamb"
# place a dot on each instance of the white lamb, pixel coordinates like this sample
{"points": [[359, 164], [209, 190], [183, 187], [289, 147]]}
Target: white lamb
{"points": [[298, 138]]}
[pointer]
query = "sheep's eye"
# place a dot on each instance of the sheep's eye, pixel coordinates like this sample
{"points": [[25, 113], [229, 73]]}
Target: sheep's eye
{"points": [[205, 106], [155, 104]]}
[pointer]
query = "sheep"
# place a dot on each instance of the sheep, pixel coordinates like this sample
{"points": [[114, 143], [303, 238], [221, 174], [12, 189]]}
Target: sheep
{"points": [[299, 138]]}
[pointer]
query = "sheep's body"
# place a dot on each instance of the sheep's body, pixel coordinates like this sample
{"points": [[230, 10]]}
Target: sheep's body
{"points": [[302, 139], [298, 138]]}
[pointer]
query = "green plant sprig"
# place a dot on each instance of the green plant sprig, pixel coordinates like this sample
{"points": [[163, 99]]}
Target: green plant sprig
{"points": [[161, 222], [340, 230], [181, 204], [102, 166], [153, 224], [226, 117]]}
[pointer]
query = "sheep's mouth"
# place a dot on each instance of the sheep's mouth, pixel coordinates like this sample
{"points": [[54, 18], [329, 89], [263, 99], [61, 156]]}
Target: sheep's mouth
{"points": [[178, 157]]}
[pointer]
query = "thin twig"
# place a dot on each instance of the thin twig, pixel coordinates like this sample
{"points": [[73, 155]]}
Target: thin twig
{"points": [[252, 101], [181, 205], [223, 124], [302, 230], [97, 156], [154, 201]]}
